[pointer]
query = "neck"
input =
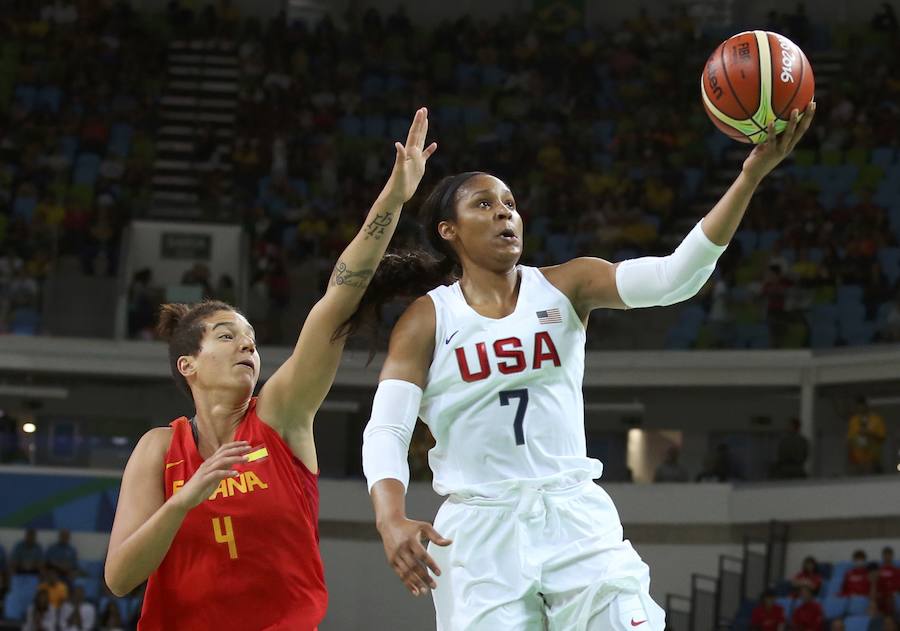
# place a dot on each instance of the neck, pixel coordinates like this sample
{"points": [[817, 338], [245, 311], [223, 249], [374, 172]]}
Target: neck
{"points": [[218, 415], [489, 288]]}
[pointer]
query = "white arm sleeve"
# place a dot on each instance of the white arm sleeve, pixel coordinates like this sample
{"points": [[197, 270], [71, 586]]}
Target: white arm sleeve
{"points": [[395, 409], [654, 281]]}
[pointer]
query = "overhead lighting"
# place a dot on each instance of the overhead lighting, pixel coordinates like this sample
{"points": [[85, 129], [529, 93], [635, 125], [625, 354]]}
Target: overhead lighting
{"points": [[29, 428]]}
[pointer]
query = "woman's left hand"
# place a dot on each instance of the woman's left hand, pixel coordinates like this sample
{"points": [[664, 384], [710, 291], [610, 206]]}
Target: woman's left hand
{"points": [[409, 166], [768, 154]]}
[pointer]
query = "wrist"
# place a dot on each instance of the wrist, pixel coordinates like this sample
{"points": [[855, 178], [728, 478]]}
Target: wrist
{"points": [[385, 522], [750, 177]]}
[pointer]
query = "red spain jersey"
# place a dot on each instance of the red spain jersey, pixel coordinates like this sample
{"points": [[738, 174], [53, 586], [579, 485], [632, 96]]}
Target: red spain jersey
{"points": [[248, 557]]}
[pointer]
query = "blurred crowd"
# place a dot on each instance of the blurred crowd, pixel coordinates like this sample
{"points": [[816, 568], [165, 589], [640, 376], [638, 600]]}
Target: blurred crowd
{"points": [[571, 117], [77, 86], [50, 589]]}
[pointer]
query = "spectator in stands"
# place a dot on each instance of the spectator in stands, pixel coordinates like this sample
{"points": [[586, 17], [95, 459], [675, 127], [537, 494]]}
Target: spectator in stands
{"points": [[57, 590], [793, 450], [77, 614], [808, 576], [865, 437], [198, 275], [42, 616], [889, 328], [857, 580], [27, 556], [768, 615], [671, 470], [111, 618], [63, 557], [143, 302], [808, 614], [720, 466], [888, 582]]}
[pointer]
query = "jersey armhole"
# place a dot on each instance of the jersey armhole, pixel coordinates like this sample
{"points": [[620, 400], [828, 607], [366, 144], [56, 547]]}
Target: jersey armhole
{"points": [[546, 281]]}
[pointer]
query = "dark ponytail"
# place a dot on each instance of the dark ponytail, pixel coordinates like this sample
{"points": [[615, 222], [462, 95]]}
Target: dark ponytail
{"points": [[412, 273]]}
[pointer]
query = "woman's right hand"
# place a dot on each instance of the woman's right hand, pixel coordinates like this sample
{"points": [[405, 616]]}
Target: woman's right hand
{"points": [[403, 545], [213, 470]]}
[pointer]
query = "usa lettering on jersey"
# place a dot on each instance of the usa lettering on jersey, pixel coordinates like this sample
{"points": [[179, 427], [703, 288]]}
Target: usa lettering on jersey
{"points": [[508, 355]]}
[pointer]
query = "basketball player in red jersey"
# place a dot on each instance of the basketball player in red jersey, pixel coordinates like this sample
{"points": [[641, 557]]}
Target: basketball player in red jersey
{"points": [[493, 363], [220, 512]]}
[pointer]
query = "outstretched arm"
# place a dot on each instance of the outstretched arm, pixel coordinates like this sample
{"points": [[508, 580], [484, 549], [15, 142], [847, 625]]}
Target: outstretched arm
{"points": [[592, 283], [291, 397]]}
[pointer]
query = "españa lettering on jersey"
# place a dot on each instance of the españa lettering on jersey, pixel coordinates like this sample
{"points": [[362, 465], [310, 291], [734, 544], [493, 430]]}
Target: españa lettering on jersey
{"points": [[255, 539], [503, 398]]}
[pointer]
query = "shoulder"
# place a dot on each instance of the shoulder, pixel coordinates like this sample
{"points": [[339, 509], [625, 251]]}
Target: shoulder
{"points": [[153, 445], [418, 320], [412, 344]]}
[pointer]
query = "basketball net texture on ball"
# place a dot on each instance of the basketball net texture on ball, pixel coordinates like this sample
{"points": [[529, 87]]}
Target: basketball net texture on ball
{"points": [[743, 92]]}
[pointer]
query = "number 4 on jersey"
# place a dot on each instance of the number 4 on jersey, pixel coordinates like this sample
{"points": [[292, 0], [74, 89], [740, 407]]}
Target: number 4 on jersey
{"points": [[522, 396]]}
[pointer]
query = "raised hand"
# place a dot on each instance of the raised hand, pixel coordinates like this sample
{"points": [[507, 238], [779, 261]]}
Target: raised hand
{"points": [[403, 546], [208, 476], [409, 165], [768, 154]]}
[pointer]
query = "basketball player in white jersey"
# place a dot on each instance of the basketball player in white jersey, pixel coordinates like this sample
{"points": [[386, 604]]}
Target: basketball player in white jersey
{"points": [[493, 365]]}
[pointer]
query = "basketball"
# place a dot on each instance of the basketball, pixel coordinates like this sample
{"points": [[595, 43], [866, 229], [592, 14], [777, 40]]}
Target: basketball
{"points": [[752, 79]]}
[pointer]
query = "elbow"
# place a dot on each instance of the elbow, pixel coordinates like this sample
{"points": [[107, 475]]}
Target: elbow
{"points": [[115, 582]]}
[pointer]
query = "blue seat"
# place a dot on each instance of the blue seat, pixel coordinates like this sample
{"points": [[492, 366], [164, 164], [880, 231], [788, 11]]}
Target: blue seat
{"points": [[49, 97], [120, 139], [351, 125], [834, 606], [374, 126], [857, 605], [882, 156], [856, 623], [25, 321], [87, 167], [889, 259], [90, 585], [847, 294], [25, 96], [768, 238], [24, 207], [398, 128], [852, 313], [787, 603], [22, 588], [748, 240]]}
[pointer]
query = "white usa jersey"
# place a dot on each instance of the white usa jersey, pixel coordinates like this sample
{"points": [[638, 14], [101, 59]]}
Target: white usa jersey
{"points": [[503, 398]]}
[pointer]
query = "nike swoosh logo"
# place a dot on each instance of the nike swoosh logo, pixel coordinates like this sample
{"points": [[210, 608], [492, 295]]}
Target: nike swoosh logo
{"points": [[169, 465], [637, 624], [447, 341]]}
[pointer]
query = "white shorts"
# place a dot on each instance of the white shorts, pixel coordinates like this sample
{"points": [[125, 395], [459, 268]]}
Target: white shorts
{"points": [[537, 559]]}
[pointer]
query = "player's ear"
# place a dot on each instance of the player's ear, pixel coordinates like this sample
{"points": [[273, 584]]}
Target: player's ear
{"points": [[187, 365], [446, 230]]}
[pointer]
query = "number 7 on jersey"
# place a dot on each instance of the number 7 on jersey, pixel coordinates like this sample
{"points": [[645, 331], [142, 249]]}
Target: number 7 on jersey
{"points": [[522, 396]]}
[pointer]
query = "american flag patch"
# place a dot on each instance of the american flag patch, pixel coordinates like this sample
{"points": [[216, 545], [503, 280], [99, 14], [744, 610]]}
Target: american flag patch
{"points": [[549, 316]]}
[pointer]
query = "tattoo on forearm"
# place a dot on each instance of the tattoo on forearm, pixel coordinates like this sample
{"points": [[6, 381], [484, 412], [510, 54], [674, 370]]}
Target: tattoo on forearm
{"points": [[344, 276], [377, 226]]}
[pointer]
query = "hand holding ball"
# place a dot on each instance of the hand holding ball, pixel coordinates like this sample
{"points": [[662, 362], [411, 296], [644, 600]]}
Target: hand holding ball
{"points": [[752, 79]]}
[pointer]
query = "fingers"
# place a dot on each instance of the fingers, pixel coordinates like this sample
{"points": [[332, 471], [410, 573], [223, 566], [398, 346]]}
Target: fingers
{"points": [[805, 122], [434, 536], [430, 150], [413, 575], [401, 152], [418, 129], [417, 571]]}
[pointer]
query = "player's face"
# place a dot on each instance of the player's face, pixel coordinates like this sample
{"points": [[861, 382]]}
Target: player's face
{"points": [[488, 229], [228, 358]]}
